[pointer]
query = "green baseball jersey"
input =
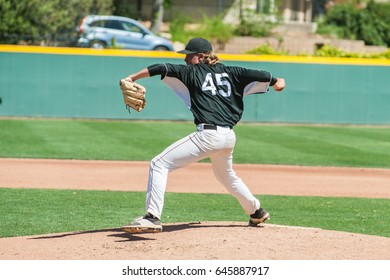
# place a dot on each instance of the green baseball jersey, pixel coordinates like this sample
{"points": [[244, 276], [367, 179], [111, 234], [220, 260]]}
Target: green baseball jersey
{"points": [[214, 93]]}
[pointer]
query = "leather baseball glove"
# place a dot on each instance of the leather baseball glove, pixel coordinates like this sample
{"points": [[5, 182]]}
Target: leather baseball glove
{"points": [[133, 94]]}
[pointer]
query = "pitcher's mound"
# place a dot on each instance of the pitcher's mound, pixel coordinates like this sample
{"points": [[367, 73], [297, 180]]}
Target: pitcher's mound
{"points": [[201, 241]]}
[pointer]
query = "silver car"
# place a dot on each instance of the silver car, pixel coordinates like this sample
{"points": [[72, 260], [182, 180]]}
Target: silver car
{"points": [[118, 32]]}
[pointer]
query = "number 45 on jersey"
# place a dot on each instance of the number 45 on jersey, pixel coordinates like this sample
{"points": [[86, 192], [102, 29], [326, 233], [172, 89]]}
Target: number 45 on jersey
{"points": [[222, 87]]}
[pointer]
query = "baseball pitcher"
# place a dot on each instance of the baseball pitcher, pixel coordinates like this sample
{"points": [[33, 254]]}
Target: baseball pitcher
{"points": [[214, 93]]}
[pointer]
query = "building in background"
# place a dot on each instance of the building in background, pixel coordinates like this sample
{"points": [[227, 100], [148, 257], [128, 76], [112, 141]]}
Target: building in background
{"points": [[292, 10]]}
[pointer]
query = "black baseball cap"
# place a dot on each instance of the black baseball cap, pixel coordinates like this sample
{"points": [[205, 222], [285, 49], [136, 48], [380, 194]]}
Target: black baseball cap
{"points": [[197, 45]]}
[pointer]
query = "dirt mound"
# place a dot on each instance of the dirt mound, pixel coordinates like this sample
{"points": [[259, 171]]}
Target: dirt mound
{"points": [[186, 241]]}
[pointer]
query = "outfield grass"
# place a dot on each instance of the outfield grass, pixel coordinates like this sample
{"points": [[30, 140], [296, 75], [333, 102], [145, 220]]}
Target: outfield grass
{"points": [[29, 211], [135, 140]]}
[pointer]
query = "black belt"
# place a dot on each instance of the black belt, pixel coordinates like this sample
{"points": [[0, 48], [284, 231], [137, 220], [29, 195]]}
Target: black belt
{"points": [[204, 126], [210, 126]]}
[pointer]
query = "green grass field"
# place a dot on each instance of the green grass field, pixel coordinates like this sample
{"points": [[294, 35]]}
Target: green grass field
{"points": [[32, 211], [116, 140]]}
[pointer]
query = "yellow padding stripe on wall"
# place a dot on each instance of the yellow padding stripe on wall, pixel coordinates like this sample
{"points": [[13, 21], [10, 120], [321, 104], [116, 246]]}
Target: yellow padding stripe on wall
{"points": [[84, 51], [167, 54]]}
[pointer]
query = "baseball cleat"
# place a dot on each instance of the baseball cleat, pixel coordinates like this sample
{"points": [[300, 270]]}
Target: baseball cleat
{"points": [[260, 216], [143, 225], [132, 229]]}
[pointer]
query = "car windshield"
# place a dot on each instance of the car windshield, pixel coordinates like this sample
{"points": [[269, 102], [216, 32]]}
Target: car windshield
{"points": [[131, 27]]}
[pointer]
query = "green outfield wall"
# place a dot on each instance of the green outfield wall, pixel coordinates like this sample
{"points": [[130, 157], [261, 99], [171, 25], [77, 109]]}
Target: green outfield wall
{"points": [[83, 83]]}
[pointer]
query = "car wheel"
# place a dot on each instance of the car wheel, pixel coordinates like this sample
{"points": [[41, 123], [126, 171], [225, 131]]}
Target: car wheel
{"points": [[160, 48], [97, 45]]}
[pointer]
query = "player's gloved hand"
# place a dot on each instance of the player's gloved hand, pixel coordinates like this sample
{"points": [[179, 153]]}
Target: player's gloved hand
{"points": [[133, 94]]}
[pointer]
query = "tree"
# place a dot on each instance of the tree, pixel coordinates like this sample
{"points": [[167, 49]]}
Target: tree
{"points": [[157, 16], [42, 21], [353, 20]]}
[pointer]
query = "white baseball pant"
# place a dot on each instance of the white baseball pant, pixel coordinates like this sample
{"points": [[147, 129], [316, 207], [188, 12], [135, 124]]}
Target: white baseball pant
{"points": [[218, 145]]}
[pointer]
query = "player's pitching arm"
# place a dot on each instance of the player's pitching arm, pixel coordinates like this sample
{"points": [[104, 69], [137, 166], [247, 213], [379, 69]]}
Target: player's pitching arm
{"points": [[144, 73]]}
